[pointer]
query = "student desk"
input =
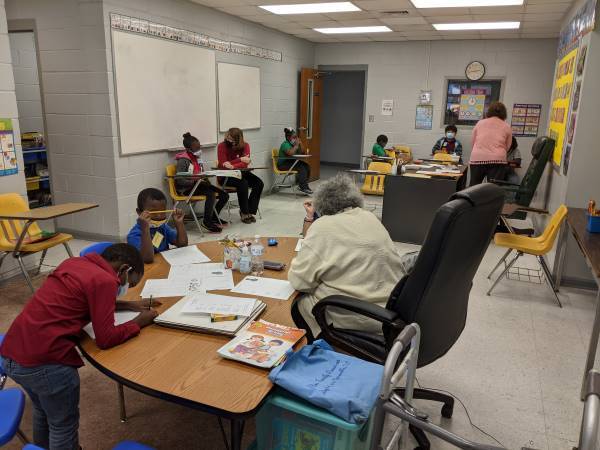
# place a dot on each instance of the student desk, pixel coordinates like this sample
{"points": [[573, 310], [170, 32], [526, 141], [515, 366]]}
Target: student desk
{"points": [[589, 244], [183, 367], [410, 202]]}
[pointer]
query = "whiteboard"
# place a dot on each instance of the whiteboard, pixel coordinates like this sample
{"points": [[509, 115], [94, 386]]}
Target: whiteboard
{"points": [[164, 89], [239, 96]]}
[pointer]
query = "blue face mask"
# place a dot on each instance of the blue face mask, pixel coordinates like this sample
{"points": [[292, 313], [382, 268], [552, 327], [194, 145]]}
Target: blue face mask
{"points": [[450, 135], [124, 287]]}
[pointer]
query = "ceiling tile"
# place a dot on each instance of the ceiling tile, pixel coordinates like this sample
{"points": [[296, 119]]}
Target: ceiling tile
{"points": [[219, 3], [548, 8], [428, 12], [389, 37], [498, 10], [306, 17], [243, 10], [384, 5], [319, 24], [543, 17], [403, 20], [353, 15], [541, 25], [360, 23], [496, 17]]}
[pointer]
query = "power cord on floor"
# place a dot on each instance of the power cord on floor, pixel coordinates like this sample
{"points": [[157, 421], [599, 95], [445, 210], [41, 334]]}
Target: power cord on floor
{"points": [[466, 411]]}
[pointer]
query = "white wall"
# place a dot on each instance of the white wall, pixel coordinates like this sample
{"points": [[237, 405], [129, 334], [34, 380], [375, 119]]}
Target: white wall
{"points": [[27, 81], [279, 89], [398, 71]]}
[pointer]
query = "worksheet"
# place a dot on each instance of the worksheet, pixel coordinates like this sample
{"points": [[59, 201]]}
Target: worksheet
{"points": [[121, 317], [205, 277], [164, 287], [185, 255], [218, 304], [265, 287]]}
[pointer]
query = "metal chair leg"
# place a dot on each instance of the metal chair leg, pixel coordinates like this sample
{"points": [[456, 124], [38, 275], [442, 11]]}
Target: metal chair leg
{"points": [[39, 269], [196, 219], [68, 249], [25, 273], [500, 262], [506, 269], [122, 412], [549, 278]]}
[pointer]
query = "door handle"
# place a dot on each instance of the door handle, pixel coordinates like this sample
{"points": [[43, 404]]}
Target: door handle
{"points": [[302, 128]]}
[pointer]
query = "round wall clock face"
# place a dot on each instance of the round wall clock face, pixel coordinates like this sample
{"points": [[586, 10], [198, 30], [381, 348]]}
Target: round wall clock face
{"points": [[475, 71]]}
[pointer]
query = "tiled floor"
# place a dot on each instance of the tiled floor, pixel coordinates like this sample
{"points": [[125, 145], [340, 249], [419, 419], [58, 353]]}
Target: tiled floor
{"points": [[518, 364]]}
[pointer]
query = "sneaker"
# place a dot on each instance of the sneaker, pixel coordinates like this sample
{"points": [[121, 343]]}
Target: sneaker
{"points": [[210, 227], [219, 220], [306, 190], [253, 219]]}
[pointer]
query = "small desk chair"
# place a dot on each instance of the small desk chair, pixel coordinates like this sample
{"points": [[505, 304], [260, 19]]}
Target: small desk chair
{"points": [[373, 184], [390, 153], [10, 230], [177, 198], [124, 445], [12, 405], [536, 246], [98, 248], [443, 157], [281, 173], [404, 152]]}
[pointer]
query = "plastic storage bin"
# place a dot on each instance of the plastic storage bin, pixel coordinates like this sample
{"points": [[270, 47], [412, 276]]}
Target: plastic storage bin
{"points": [[593, 224], [286, 422]]}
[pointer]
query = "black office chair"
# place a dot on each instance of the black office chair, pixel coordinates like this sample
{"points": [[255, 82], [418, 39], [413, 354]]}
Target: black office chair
{"points": [[435, 294]]}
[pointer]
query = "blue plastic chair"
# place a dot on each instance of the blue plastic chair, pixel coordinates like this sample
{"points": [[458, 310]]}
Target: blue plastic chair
{"points": [[98, 247], [12, 404], [125, 445], [2, 373]]}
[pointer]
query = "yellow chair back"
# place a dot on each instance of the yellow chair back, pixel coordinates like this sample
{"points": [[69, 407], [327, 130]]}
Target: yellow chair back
{"points": [[10, 230], [390, 153], [440, 156], [172, 171], [274, 158], [549, 234], [404, 152], [373, 184]]}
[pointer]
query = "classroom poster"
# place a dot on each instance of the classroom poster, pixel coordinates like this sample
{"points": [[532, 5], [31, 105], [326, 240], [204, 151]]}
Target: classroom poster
{"points": [[8, 163], [561, 102], [525, 120], [424, 117], [472, 105], [387, 107]]}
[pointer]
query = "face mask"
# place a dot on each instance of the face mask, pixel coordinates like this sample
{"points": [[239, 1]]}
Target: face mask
{"points": [[157, 223], [197, 153], [450, 135], [229, 143], [124, 287]]}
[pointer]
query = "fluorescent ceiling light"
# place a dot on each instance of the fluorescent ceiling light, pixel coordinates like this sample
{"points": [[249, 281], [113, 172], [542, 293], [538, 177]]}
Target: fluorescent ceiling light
{"points": [[477, 26], [311, 8], [464, 3], [348, 30]]}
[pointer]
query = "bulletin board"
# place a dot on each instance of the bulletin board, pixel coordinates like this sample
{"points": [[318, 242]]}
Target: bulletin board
{"points": [[525, 119], [239, 96], [164, 88], [8, 164]]}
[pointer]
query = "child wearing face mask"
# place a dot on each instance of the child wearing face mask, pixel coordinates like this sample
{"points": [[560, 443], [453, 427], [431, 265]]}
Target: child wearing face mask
{"points": [[151, 234], [39, 350], [292, 146], [448, 144], [190, 161]]}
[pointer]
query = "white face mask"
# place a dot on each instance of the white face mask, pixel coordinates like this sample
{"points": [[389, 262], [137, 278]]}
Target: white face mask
{"points": [[197, 153], [450, 135], [124, 287]]}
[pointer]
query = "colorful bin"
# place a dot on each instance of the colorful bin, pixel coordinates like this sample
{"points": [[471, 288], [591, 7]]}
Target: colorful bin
{"points": [[593, 224], [286, 422]]}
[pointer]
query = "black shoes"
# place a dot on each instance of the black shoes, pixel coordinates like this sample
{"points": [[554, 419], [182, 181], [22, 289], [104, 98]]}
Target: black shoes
{"points": [[210, 227], [306, 190]]}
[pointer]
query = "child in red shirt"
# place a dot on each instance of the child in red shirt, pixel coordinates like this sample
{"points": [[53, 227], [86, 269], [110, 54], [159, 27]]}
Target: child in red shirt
{"points": [[38, 351]]}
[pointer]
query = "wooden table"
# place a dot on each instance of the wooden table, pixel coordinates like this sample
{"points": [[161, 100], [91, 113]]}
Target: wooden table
{"points": [[183, 367], [589, 244], [410, 203]]}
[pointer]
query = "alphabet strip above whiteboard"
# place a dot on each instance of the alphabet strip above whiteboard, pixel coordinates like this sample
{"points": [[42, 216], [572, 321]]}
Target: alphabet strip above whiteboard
{"points": [[135, 25]]}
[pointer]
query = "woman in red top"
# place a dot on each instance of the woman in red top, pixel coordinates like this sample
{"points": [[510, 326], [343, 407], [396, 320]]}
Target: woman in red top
{"points": [[234, 153]]}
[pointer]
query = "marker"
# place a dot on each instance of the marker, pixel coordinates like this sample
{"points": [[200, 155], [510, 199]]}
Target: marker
{"points": [[161, 212]]}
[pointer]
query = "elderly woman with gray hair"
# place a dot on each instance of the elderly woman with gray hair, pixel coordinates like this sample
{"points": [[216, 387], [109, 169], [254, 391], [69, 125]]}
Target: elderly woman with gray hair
{"points": [[347, 251]]}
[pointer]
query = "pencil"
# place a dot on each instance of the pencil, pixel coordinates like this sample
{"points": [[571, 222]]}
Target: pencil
{"points": [[160, 212], [150, 303]]}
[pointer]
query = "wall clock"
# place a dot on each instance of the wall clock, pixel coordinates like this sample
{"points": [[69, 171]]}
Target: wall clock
{"points": [[475, 71]]}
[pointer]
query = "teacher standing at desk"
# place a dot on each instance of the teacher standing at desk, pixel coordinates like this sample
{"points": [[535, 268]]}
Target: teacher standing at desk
{"points": [[234, 153], [492, 137]]}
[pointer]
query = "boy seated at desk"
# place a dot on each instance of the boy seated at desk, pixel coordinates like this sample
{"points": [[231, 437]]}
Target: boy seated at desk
{"points": [[379, 146], [151, 234], [448, 144], [513, 157], [39, 350]]}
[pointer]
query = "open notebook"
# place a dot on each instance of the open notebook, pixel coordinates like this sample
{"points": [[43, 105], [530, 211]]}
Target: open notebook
{"points": [[175, 318]]}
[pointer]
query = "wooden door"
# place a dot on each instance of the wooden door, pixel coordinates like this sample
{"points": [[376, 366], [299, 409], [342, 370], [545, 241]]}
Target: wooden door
{"points": [[309, 130]]}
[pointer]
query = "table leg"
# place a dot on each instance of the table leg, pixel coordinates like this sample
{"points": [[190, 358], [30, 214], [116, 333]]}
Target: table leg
{"points": [[561, 252], [237, 431], [591, 356]]}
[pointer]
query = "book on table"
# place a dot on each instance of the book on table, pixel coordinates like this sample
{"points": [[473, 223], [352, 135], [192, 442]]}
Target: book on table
{"points": [[263, 344]]}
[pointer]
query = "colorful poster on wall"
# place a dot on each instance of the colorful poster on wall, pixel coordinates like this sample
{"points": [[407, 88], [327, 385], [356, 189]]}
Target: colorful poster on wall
{"points": [[472, 105], [582, 23], [561, 102], [8, 164], [525, 119], [424, 117]]}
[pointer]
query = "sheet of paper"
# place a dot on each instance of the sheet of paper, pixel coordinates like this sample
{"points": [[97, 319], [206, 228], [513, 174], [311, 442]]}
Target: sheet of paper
{"points": [[185, 255], [165, 288], [265, 287], [204, 277], [218, 304], [299, 245], [120, 318]]}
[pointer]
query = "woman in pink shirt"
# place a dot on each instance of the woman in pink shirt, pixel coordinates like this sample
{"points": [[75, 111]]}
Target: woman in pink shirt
{"points": [[234, 153], [492, 137]]}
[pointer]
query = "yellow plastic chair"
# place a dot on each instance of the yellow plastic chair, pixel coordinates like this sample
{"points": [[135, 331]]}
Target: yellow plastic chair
{"points": [[443, 157], [177, 198], [373, 184], [404, 152], [390, 153], [537, 246], [10, 230], [281, 173]]}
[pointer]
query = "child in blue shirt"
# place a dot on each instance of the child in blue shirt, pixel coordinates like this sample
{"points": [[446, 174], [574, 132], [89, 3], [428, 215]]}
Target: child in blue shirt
{"points": [[448, 144], [151, 234]]}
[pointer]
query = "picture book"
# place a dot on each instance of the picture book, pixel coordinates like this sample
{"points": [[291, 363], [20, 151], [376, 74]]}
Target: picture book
{"points": [[262, 344]]}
